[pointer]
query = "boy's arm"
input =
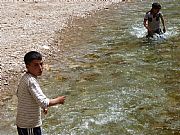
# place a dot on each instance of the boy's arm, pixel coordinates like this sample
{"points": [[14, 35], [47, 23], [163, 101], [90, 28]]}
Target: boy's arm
{"points": [[146, 25], [40, 98], [55, 101], [37, 93], [146, 22], [163, 23]]}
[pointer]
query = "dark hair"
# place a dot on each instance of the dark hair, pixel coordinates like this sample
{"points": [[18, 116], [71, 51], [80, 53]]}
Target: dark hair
{"points": [[156, 6], [32, 55]]}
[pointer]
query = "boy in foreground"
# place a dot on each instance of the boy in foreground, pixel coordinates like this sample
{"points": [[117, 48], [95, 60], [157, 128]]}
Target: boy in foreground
{"points": [[152, 20], [31, 98]]}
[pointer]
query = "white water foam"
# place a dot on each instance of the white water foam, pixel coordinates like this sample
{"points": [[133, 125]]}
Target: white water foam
{"points": [[139, 31]]}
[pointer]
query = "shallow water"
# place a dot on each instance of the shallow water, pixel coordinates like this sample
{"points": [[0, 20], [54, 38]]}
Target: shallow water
{"points": [[116, 81]]}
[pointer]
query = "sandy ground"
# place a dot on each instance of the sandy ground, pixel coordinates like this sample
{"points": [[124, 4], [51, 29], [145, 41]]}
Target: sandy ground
{"points": [[32, 25]]}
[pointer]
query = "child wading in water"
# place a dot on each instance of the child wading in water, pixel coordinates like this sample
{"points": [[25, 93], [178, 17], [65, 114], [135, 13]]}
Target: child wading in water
{"points": [[152, 20], [31, 98]]}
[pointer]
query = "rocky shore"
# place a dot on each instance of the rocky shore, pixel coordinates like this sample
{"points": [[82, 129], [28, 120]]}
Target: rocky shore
{"points": [[32, 25]]}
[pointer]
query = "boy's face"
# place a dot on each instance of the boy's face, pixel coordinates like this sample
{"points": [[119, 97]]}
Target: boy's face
{"points": [[156, 10], [35, 67]]}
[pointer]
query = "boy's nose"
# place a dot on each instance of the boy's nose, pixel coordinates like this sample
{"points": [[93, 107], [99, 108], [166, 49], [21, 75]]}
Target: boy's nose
{"points": [[40, 67]]}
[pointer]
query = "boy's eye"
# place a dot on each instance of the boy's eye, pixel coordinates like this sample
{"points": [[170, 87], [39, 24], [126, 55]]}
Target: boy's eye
{"points": [[38, 64]]}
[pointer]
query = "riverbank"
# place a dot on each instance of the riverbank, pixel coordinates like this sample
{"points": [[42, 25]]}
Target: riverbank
{"points": [[32, 25]]}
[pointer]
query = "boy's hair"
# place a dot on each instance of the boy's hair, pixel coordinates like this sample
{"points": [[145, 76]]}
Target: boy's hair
{"points": [[156, 6], [32, 55]]}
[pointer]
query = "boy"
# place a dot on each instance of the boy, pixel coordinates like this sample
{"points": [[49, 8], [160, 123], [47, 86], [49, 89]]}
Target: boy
{"points": [[31, 98], [152, 20]]}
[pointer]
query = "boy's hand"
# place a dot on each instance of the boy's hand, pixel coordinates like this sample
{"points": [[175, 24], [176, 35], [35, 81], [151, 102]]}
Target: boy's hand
{"points": [[164, 29], [61, 99], [58, 100], [45, 110]]}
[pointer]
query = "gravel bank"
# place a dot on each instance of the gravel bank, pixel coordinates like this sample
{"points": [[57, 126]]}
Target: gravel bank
{"points": [[32, 25]]}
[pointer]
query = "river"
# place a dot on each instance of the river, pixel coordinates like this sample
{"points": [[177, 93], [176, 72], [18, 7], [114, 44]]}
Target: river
{"points": [[116, 81]]}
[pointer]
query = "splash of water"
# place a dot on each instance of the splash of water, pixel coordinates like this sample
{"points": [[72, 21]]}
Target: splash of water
{"points": [[139, 31]]}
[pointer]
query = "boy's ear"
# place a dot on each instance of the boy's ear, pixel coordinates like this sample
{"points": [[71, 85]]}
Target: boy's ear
{"points": [[27, 65]]}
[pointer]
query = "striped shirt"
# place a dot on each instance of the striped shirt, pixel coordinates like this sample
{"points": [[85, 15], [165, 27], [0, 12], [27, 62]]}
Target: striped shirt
{"points": [[30, 101]]}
